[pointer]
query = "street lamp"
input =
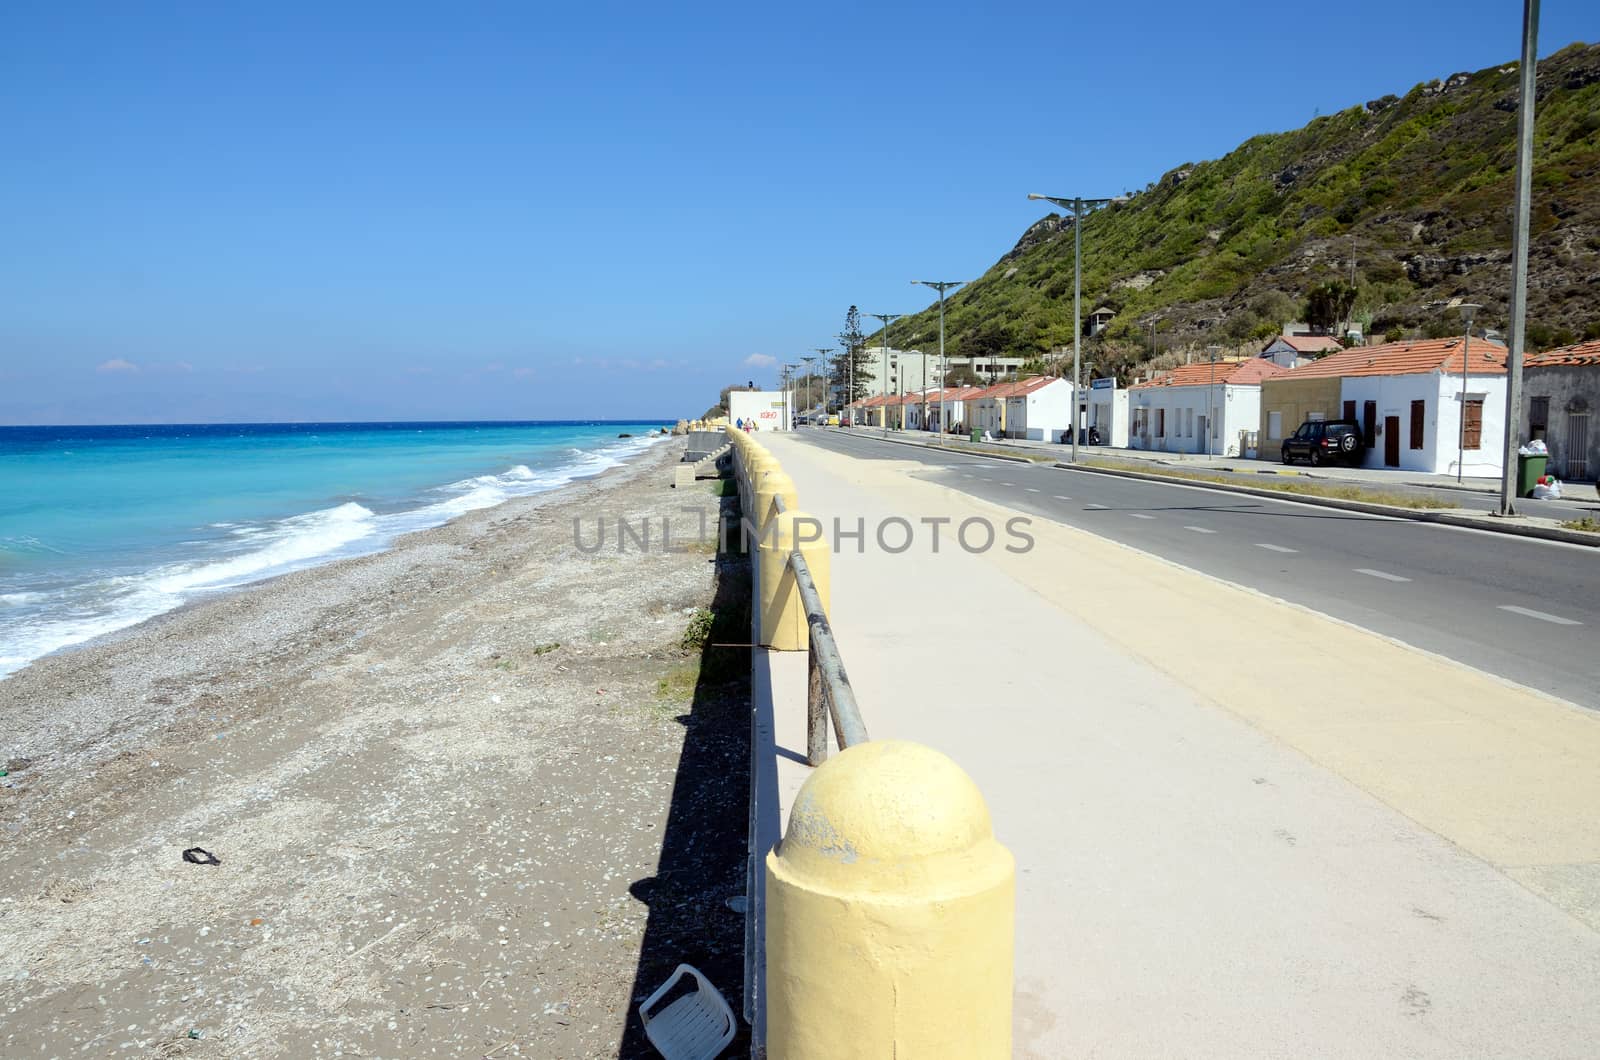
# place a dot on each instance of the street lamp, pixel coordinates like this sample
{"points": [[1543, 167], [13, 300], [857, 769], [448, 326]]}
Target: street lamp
{"points": [[810, 371], [1467, 311], [1526, 97], [1077, 206], [822, 355], [788, 397], [944, 368], [1211, 393], [887, 318]]}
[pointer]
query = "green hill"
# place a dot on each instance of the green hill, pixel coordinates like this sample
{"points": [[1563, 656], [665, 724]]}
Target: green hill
{"points": [[1417, 189]]}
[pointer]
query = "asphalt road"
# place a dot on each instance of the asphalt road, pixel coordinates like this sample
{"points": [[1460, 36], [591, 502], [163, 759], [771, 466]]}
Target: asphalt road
{"points": [[1523, 609]]}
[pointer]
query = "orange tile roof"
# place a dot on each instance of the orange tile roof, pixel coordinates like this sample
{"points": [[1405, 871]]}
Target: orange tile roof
{"points": [[1584, 353], [1248, 372], [1310, 343], [1407, 358]]}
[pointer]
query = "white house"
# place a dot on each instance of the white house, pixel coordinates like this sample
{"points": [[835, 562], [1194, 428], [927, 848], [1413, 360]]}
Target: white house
{"points": [[1291, 351], [1408, 398], [1171, 413], [1039, 409], [1108, 411]]}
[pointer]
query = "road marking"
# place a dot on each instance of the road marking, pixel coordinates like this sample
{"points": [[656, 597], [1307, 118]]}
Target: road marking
{"points": [[1141, 515], [1061, 498], [1385, 575], [1274, 548], [1095, 507], [1199, 529], [1008, 483], [1528, 612], [1032, 490]]}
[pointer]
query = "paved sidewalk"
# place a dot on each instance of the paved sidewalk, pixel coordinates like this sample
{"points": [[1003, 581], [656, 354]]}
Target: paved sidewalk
{"points": [[1229, 842], [1580, 492]]}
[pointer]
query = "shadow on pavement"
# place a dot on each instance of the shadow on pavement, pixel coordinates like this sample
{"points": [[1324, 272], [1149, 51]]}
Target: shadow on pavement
{"points": [[702, 860]]}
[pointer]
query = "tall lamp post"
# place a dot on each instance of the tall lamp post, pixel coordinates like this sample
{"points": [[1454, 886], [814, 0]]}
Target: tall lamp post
{"points": [[1527, 72], [788, 397], [1078, 207], [822, 355], [1211, 394], [887, 318], [941, 286], [810, 371], [1467, 311]]}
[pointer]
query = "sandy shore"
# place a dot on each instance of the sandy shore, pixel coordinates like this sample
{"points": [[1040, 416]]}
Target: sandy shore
{"points": [[436, 779]]}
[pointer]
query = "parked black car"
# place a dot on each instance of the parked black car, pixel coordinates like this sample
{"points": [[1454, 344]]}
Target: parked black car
{"points": [[1325, 441]]}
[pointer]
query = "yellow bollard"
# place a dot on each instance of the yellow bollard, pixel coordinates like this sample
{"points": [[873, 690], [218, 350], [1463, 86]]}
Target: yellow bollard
{"points": [[781, 614], [890, 914], [756, 464], [771, 484]]}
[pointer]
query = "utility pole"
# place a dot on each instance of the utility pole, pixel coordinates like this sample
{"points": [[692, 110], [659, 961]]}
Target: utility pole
{"points": [[1528, 74], [1077, 206], [887, 318], [1211, 393], [941, 286], [822, 353], [1467, 310]]}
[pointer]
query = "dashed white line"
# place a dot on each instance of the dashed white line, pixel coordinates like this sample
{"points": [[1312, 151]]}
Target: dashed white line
{"points": [[1061, 498], [1141, 515], [1006, 483], [1385, 575], [1095, 507], [1032, 490], [1274, 548], [1200, 529], [1542, 616]]}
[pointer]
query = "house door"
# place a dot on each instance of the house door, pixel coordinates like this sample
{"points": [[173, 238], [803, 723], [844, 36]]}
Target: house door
{"points": [[1577, 446], [1391, 441]]}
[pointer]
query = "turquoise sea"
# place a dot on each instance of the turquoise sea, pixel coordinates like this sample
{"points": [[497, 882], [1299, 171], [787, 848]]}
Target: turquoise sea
{"points": [[102, 527]]}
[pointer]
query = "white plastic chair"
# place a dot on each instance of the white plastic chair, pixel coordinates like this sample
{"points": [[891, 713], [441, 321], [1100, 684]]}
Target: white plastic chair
{"points": [[696, 1026]]}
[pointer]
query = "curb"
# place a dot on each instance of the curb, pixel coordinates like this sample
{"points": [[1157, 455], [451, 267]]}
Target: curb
{"points": [[1545, 533], [956, 449]]}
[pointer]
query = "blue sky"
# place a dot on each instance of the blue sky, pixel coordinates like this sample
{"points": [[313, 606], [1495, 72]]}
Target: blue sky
{"points": [[372, 211]]}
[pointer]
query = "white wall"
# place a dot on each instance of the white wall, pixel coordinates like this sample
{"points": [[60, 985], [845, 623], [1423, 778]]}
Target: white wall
{"points": [[1041, 416], [766, 407], [1235, 409], [1442, 424]]}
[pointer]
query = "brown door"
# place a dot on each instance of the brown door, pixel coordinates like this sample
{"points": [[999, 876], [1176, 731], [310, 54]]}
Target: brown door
{"points": [[1369, 422], [1391, 441]]}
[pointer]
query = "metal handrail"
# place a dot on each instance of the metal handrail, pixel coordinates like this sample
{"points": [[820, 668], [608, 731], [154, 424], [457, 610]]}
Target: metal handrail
{"points": [[828, 691]]}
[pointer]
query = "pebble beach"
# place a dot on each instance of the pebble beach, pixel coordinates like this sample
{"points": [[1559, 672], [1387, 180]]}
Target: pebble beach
{"points": [[438, 782]]}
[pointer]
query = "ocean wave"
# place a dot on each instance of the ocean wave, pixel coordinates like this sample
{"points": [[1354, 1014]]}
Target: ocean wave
{"points": [[35, 624]]}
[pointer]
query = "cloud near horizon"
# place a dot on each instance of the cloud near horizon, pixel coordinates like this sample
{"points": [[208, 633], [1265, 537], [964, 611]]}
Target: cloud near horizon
{"points": [[117, 364], [760, 360]]}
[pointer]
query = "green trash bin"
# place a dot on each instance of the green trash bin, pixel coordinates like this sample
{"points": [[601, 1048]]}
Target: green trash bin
{"points": [[1529, 468], [977, 435]]}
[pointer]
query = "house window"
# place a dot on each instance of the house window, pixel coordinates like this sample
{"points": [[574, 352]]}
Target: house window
{"points": [[1538, 417], [1349, 410], [1161, 423], [1419, 423], [1473, 411], [1274, 425]]}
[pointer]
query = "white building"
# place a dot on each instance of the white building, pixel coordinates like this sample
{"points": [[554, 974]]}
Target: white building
{"points": [[1407, 396], [1108, 411], [1291, 351], [906, 371], [1039, 409], [1171, 413], [770, 410]]}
